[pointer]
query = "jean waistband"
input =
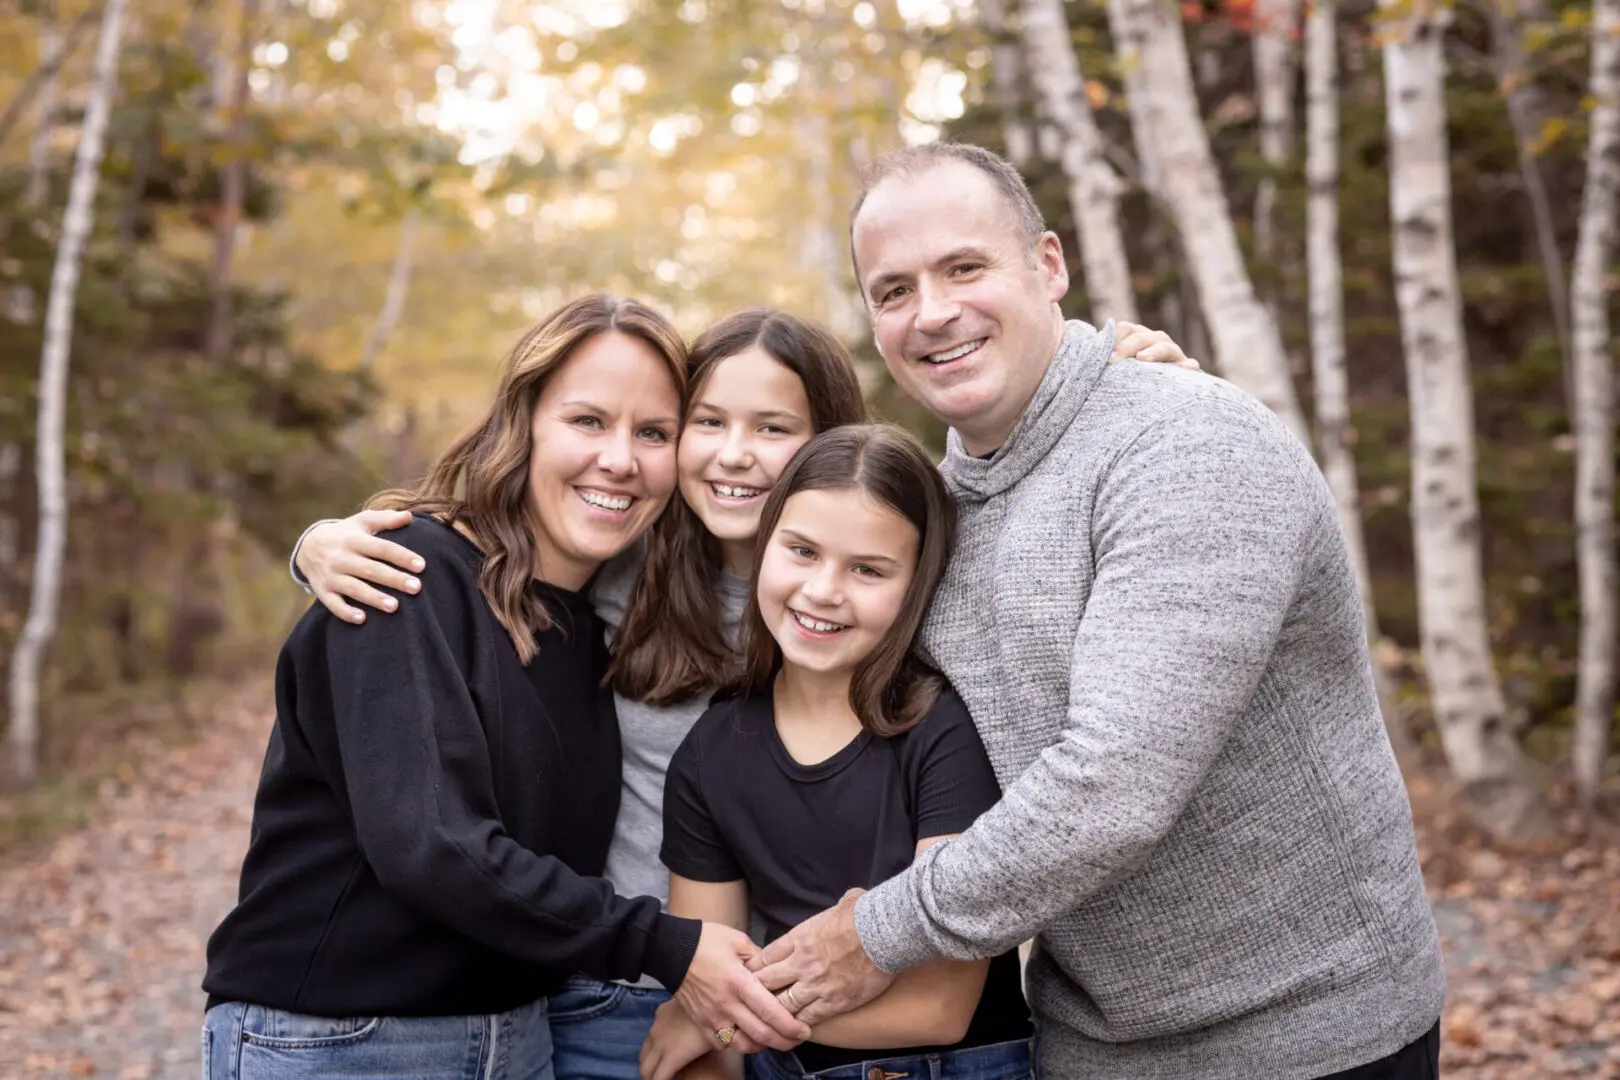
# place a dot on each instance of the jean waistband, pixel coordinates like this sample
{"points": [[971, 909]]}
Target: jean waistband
{"points": [[993, 1061]]}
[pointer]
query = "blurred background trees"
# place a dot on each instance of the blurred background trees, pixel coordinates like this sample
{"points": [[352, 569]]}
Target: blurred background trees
{"points": [[318, 223]]}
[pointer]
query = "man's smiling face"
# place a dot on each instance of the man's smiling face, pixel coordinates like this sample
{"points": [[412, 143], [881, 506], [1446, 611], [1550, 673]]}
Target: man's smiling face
{"points": [[963, 304]]}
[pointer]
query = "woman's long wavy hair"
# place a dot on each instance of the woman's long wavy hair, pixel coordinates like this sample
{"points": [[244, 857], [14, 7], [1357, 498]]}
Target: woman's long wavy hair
{"points": [[891, 689], [672, 645], [481, 482]]}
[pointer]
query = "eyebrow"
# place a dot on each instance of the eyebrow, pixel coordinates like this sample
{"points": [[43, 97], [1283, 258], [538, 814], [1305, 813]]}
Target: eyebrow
{"points": [[763, 414], [795, 535], [586, 403], [882, 281]]}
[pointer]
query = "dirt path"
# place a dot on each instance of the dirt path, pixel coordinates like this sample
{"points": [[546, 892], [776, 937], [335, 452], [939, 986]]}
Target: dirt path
{"points": [[101, 935]]}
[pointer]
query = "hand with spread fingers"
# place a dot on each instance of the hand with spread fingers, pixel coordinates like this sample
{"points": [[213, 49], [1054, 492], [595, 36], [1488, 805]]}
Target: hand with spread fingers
{"points": [[1133, 341], [820, 968], [729, 1002]]}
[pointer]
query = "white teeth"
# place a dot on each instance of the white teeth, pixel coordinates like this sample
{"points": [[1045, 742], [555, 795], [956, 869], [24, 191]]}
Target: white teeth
{"points": [[817, 625], [732, 491], [954, 354], [606, 502]]}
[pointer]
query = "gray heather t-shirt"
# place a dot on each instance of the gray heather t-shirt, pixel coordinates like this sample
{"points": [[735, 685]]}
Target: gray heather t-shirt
{"points": [[649, 736]]}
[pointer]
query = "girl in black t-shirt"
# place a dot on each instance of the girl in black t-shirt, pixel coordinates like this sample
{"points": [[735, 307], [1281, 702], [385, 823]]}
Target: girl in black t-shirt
{"points": [[838, 758]]}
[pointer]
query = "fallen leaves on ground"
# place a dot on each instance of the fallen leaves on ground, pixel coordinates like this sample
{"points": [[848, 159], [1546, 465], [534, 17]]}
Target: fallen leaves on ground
{"points": [[102, 932]]}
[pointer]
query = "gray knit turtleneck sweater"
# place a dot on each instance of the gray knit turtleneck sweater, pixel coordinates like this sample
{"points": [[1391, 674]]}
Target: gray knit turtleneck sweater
{"points": [[1152, 617]]}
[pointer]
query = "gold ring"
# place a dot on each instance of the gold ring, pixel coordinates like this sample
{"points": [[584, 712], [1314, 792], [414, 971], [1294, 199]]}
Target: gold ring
{"points": [[792, 1002], [726, 1034]]}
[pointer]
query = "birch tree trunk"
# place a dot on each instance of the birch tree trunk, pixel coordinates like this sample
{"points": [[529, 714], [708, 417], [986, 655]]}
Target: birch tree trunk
{"points": [[1594, 409], [1248, 347], [1006, 67], [399, 286], [47, 584], [51, 44], [1276, 22], [1468, 708], [1325, 271], [233, 184], [1093, 185]]}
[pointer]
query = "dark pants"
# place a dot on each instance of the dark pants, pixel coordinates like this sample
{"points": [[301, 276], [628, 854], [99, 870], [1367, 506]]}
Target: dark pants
{"points": [[1418, 1061]]}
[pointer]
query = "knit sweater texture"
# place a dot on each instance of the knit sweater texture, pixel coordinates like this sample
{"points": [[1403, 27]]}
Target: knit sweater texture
{"points": [[1153, 619]]}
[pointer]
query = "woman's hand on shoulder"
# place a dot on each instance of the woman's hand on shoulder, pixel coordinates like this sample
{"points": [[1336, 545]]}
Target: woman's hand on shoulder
{"points": [[1133, 341], [346, 560]]}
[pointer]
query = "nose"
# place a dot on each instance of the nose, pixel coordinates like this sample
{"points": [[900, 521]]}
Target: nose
{"points": [[734, 451], [821, 587], [617, 456], [935, 308]]}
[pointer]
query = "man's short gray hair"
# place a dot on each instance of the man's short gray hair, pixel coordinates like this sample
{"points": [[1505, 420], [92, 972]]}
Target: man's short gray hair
{"points": [[911, 160]]}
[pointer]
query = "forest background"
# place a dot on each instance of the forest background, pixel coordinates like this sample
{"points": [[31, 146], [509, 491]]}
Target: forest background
{"points": [[314, 226]]}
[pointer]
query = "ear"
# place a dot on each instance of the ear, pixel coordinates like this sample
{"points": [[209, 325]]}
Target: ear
{"points": [[1053, 267]]}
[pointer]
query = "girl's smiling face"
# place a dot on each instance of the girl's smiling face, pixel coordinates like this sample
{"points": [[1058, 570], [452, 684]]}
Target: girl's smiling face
{"points": [[745, 422], [833, 577]]}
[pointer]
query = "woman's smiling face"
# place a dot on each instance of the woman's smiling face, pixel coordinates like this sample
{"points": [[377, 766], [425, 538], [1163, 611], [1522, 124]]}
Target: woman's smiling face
{"points": [[746, 421]]}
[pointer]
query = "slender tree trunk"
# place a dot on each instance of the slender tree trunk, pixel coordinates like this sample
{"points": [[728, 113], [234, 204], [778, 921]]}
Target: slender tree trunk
{"points": [[45, 75], [399, 285], [1526, 113], [1248, 347], [1594, 409], [1276, 22], [1468, 707], [51, 43], [1334, 434], [47, 584], [1006, 67], [1093, 185], [233, 185]]}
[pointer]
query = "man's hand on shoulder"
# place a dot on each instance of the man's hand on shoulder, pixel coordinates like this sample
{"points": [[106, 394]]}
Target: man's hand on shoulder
{"points": [[819, 968]]}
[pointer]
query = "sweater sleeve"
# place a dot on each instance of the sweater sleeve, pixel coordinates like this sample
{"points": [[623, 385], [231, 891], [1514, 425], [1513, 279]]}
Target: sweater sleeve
{"points": [[1201, 532], [416, 766]]}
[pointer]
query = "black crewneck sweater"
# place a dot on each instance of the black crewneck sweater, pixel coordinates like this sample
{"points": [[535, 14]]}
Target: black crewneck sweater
{"points": [[433, 816]]}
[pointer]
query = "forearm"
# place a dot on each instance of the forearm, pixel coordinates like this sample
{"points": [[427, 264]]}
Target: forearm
{"points": [[927, 1005], [1200, 540]]}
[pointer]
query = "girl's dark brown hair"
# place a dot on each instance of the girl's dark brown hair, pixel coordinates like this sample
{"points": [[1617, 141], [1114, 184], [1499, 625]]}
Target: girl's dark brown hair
{"points": [[891, 689], [481, 482], [671, 646]]}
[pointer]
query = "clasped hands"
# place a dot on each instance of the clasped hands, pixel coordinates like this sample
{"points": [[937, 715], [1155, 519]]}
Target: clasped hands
{"points": [[737, 996]]}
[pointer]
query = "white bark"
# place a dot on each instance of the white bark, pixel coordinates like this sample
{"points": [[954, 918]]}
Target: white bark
{"points": [[1334, 434], [1093, 185], [1594, 408], [1248, 347], [1275, 23], [1006, 65], [1468, 708], [47, 584], [399, 286]]}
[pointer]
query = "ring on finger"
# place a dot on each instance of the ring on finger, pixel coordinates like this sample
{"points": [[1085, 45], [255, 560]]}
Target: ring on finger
{"points": [[726, 1034], [792, 1002]]}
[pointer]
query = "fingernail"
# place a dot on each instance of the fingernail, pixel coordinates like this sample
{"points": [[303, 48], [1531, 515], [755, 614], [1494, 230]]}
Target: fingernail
{"points": [[411, 584], [358, 617], [389, 603], [417, 565]]}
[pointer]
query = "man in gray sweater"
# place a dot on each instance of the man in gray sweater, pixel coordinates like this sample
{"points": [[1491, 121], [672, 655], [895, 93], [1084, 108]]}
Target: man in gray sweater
{"points": [[1152, 617]]}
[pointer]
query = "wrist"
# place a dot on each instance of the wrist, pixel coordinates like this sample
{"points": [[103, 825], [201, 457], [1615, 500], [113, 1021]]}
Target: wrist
{"points": [[292, 563]]}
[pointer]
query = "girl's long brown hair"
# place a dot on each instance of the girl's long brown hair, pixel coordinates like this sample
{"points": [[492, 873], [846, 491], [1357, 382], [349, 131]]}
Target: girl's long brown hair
{"points": [[481, 481], [672, 645], [892, 689]]}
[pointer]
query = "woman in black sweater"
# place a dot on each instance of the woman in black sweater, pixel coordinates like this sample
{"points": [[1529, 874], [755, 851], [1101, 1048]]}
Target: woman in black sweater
{"points": [[440, 786]]}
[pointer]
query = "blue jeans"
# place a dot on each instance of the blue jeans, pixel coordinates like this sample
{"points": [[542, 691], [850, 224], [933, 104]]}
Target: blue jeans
{"points": [[998, 1061], [252, 1042], [597, 1028]]}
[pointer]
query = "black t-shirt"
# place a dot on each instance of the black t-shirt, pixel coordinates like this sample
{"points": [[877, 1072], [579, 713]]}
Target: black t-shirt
{"points": [[433, 816], [738, 806]]}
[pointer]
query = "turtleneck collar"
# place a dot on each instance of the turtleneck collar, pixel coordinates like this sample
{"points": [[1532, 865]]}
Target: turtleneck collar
{"points": [[1081, 359]]}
